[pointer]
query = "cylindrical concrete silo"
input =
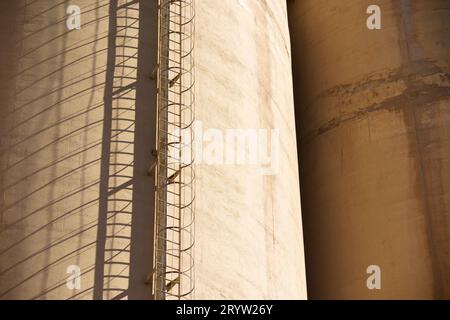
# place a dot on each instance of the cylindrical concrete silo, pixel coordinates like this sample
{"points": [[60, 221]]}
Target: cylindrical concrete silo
{"points": [[373, 114], [78, 136], [248, 217]]}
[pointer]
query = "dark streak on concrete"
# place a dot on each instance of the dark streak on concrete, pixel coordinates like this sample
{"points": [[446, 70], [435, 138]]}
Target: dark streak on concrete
{"points": [[420, 95], [417, 94]]}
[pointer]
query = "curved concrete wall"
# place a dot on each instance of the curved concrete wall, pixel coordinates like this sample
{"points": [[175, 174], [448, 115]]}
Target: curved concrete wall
{"points": [[77, 131], [75, 150], [248, 220], [373, 113]]}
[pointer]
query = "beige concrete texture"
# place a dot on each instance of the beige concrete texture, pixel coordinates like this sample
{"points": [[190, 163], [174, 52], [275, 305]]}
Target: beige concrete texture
{"points": [[248, 224], [77, 133], [373, 115]]}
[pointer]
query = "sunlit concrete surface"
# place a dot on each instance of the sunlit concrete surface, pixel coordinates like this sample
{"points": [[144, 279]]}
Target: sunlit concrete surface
{"points": [[75, 149], [248, 226]]}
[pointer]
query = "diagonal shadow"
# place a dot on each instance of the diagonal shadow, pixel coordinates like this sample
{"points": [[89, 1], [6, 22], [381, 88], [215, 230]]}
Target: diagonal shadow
{"points": [[74, 184], [126, 157]]}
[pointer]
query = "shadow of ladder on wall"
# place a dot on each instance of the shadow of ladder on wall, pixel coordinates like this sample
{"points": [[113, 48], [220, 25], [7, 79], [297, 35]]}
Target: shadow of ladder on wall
{"points": [[126, 191], [116, 233]]}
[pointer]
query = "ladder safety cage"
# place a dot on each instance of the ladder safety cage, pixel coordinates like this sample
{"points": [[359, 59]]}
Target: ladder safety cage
{"points": [[175, 193]]}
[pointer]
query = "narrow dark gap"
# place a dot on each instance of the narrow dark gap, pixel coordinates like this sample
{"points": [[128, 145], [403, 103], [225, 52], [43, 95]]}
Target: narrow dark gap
{"points": [[299, 81]]}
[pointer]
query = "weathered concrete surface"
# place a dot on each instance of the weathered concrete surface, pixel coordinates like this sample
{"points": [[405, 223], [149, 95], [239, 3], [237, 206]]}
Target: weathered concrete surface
{"points": [[248, 226], [75, 150], [73, 180], [373, 113]]}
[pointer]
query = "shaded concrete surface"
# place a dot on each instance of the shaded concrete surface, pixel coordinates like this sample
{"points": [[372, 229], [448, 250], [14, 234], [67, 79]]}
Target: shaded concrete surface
{"points": [[373, 119], [248, 225], [76, 140]]}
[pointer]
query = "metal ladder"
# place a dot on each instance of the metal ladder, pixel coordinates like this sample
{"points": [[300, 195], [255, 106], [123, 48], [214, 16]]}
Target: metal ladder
{"points": [[174, 227]]}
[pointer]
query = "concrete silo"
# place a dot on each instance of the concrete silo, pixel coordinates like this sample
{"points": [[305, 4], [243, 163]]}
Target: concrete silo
{"points": [[74, 143], [373, 114], [248, 217], [81, 130]]}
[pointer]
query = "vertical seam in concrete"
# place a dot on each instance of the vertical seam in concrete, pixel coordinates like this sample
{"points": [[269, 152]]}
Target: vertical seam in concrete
{"points": [[410, 54]]}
